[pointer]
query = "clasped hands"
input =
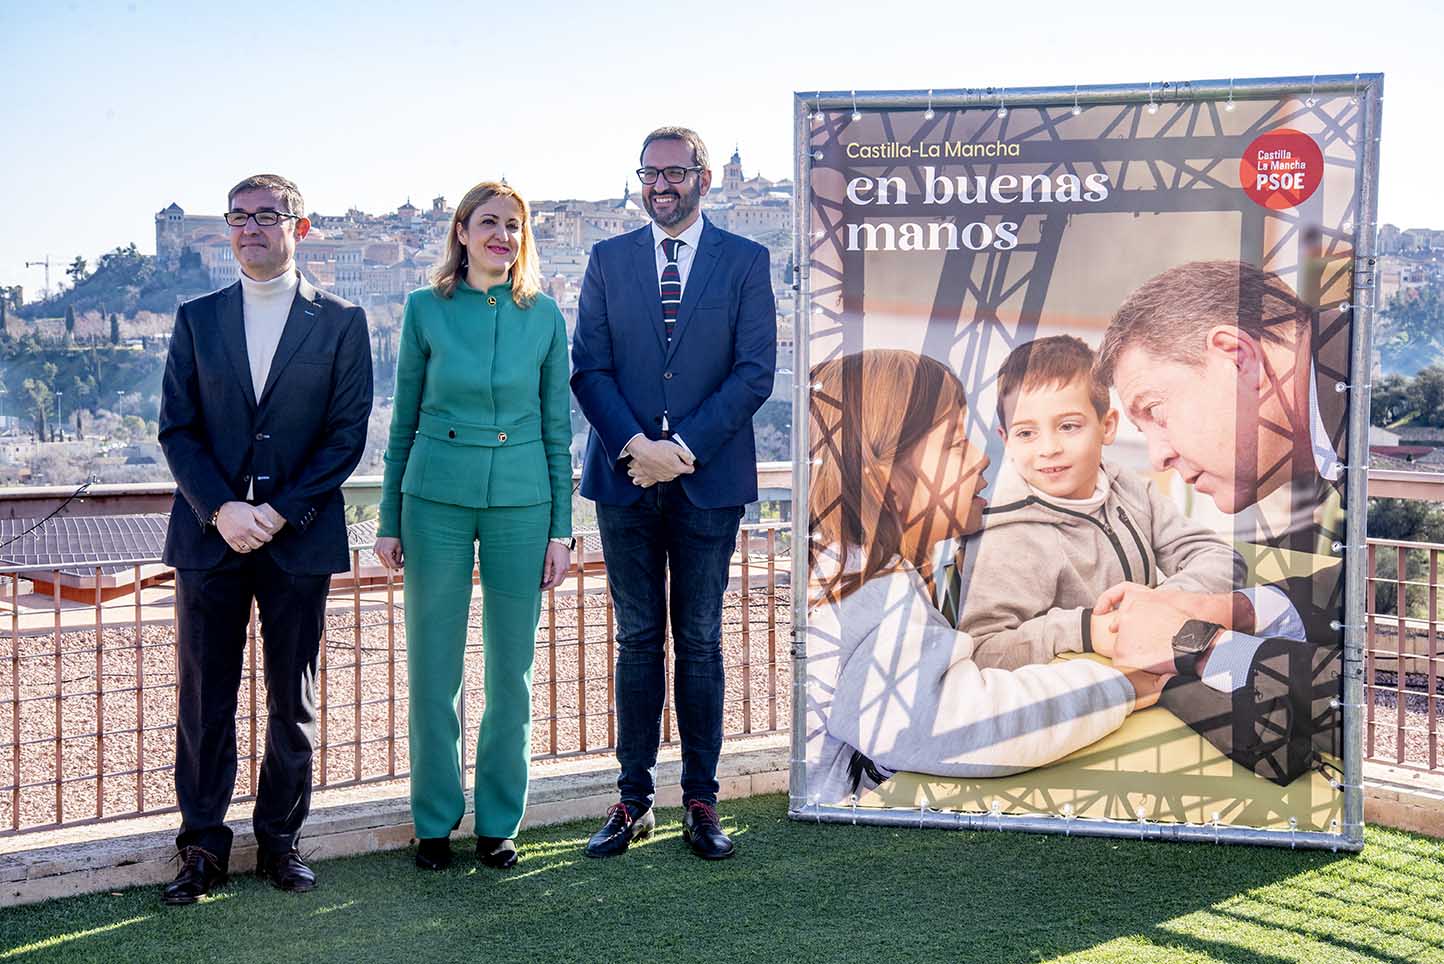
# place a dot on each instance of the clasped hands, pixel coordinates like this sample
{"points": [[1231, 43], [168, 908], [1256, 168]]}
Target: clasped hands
{"points": [[246, 527], [1134, 625], [654, 461]]}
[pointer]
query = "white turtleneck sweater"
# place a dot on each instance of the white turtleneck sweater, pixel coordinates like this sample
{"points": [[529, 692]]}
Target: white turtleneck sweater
{"points": [[265, 306]]}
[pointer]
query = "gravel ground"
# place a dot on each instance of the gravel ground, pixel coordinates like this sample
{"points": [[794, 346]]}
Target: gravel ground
{"points": [[43, 693], [128, 722]]}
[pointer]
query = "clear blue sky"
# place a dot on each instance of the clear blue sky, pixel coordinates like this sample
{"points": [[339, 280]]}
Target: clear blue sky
{"points": [[111, 110]]}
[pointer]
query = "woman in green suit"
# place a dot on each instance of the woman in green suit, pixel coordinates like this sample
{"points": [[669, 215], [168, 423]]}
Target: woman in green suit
{"points": [[478, 470]]}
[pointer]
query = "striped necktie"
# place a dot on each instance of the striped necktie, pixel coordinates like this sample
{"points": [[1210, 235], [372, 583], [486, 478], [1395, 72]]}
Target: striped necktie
{"points": [[671, 285]]}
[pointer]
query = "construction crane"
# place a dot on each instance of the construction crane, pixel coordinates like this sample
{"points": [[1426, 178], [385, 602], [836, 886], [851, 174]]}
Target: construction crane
{"points": [[46, 265]]}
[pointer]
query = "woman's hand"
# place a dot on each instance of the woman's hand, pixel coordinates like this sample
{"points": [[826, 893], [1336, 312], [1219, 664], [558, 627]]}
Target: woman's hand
{"points": [[388, 552], [554, 568], [1147, 687]]}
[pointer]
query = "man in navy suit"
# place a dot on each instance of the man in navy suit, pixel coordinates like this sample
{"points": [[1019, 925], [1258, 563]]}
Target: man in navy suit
{"points": [[674, 351], [263, 414]]}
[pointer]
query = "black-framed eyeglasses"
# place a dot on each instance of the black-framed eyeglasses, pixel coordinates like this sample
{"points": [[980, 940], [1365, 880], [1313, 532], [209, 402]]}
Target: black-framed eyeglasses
{"points": [[266, 219], [674, 175]]}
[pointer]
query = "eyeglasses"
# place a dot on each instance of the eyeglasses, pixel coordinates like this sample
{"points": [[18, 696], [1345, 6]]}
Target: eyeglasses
{"points": [[674, 175], [266, 219]]}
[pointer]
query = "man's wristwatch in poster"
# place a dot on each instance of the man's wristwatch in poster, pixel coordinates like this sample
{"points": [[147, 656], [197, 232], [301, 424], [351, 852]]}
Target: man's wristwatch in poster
{"points": [[570, 542], [1191, 642]]}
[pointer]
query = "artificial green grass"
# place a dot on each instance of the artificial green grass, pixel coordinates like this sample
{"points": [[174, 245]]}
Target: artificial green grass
{"points": [[794, 892]]}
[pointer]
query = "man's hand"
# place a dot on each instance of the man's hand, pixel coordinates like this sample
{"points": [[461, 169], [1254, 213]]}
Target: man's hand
{"points": [[1111, 598], [1231, 610], [656, 461], [388, 552], [1147, 687], [272, 516], [1146, 627], [245, 526]]}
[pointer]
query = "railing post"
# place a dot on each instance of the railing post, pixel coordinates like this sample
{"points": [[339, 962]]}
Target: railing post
{"points": [[1401, 560], [1370, 643], [99, 699], [580, 589], [1430, 665], [744, 539]]}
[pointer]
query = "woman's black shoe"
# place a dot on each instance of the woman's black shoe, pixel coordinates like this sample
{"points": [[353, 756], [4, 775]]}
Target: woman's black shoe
{"points": [[433, 853], [497, 852]]}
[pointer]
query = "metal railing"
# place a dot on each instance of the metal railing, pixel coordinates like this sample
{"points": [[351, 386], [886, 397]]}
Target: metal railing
{"points": [[88, 679], [1402, 658], [88, 672]]}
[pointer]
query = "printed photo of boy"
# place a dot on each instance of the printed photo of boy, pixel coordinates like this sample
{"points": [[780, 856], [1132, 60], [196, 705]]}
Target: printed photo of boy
{"points": [[1065, 525]]}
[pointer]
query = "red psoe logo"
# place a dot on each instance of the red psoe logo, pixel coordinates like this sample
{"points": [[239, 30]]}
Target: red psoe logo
{"points": [[1281, 169]]}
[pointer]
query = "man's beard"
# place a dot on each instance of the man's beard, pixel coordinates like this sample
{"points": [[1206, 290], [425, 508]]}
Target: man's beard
{"points": [[681, 211]]}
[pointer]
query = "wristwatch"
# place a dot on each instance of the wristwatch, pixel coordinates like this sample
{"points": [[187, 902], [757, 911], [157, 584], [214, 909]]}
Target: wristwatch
{"points": [[1191, 642], [570, 542]]}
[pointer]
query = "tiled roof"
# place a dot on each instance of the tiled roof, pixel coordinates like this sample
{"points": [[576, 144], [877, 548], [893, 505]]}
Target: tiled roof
{"points": [[74, 543]]}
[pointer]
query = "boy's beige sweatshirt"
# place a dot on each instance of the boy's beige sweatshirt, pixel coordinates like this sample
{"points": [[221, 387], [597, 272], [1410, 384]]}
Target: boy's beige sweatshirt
{"points": [[1030, 577]]}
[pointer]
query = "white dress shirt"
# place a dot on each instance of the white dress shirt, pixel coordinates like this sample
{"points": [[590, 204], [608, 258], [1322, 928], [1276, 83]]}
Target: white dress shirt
{"points": [[685, 255]]}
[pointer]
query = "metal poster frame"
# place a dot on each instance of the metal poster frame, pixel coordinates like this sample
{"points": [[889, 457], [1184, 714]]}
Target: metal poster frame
{"points": [[1368, 89]]}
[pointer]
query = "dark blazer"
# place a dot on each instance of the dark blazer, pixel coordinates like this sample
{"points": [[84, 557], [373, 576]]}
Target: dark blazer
{"points": [[299, 443], [709, 383]]}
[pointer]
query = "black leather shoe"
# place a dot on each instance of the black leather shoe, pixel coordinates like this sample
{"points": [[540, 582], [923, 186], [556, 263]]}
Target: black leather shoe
{"points": [[703, 832], [496, 852], [200, 871], [620, 830], [433, 853], [285, 871]]}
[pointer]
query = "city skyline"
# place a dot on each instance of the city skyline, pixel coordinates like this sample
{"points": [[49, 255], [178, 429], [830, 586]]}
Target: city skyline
{"points": [[128, 103]]}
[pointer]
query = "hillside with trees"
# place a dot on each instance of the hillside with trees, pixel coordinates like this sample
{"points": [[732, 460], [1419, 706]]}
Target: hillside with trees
{"points": [[124, 281]]}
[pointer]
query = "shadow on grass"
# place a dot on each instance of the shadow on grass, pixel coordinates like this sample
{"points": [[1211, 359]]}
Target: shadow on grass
{"points": [[795, 892]]}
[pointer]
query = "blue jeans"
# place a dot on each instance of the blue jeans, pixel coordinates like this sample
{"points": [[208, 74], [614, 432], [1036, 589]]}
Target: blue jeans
{"points": [[665, 534]]}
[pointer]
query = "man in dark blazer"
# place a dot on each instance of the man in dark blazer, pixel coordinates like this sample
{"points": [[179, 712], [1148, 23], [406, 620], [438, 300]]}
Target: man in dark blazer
{"points": [[263, 415], [1227, 373], [674, 351]]}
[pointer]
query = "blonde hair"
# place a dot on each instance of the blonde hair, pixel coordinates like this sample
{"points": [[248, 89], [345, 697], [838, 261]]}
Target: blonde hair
{"points": [[869, 412], [525, 273]]}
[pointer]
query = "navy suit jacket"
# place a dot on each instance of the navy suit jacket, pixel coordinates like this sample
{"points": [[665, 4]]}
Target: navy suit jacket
{"points": [[716, 374], [298, 444]]}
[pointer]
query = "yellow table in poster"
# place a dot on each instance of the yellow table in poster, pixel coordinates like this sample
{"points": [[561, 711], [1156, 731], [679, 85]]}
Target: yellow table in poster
{"points": [[1153, 761]]}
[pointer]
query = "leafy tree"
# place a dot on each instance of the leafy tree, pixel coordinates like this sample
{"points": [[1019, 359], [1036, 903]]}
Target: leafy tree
{"points": [[1426, 395], [69, 323], [1389, 401], [114, 328], [76, 270], [1411, 334], [1403, 520], [40, 396]]}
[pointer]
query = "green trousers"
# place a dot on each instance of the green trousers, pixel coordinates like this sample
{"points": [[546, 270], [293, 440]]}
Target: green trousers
{"points": [[441, 543]]}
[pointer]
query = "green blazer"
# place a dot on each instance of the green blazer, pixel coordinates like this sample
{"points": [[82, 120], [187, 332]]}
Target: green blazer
{"points": [[482, 413]]}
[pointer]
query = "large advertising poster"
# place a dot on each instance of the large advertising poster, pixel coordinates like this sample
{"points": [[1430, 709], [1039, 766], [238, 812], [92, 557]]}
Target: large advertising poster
{"points": [[1078, 508]]}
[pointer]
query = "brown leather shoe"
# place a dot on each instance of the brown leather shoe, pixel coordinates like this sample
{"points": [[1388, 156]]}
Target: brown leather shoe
{"points": [[200, 872], [285, 870]]}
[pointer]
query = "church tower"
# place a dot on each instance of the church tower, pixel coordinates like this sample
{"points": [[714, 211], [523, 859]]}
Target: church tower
{"points": [[170, 234], [732, 176]]}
